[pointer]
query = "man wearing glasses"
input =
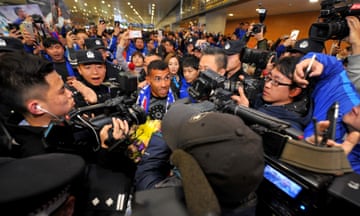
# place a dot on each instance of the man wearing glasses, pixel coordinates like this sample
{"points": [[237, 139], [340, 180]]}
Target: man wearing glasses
{"points": [[157, 96], [281, 97]]}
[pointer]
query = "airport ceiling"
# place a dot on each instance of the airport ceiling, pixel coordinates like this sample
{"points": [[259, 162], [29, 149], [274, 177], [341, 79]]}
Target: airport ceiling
{"points": [[141, 11]]}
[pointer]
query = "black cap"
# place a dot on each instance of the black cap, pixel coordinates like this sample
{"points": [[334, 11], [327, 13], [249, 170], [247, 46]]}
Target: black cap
{"points": [[37, 184], [228, 151], [94, 43], [89, 56], [10, 44], [232, 47], [307, 45]]}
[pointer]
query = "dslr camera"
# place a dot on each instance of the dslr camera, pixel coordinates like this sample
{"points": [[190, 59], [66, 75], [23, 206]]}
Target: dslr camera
{"points": [[209, 82], [256, 28], [258, 57], [333, 25]]}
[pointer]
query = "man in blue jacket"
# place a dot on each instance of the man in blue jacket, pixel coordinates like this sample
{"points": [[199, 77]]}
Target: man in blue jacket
{"points": [[332, 84]]}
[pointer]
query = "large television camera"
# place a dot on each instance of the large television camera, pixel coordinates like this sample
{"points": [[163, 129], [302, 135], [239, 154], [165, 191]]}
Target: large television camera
{"points": [[210, 85], [333, 24], [287, 189], [80, 133]]}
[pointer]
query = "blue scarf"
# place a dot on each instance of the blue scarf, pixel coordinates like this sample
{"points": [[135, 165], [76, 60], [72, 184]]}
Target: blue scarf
{"points": [[145, 96]]}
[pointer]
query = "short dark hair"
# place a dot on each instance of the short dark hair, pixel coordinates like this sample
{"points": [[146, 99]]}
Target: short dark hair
{"points": [[190, 61], [137, 53], [21, 72], [220, 56], [48, 42], [286, 66], [156, 65]]}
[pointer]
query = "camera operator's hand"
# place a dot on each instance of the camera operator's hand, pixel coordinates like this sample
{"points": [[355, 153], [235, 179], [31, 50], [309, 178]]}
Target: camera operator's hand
{"points": [[119, 130], [354, 35], [301, 67], [351, 140], [88, 94], [241, 99]]}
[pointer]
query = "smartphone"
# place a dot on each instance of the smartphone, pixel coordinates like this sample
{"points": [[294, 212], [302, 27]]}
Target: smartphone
{"points": [[135, 34], [28, 27], [294, 34], [160, 34]]}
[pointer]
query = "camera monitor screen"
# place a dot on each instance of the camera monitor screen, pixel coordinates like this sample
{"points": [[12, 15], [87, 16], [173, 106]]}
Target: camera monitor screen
{"points": [[282, 182]]}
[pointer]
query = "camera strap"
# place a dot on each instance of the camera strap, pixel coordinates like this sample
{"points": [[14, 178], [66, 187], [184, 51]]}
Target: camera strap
{"points": [[327, 160]]}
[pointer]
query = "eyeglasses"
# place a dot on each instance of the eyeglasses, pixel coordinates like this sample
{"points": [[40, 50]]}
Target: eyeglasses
{"points": [[275, 82], [158, 79]]}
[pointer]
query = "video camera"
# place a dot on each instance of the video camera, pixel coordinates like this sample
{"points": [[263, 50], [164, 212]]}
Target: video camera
{"points": [[333, 24], [124, 84], [79, 134], [209, 82]]}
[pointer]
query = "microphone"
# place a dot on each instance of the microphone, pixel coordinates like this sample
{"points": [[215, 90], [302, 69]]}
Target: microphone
{"points": [[38, 107]]}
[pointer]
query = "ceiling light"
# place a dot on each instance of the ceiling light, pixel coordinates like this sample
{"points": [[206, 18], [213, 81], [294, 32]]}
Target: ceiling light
{"points": [[313, 1], [231, 14]]}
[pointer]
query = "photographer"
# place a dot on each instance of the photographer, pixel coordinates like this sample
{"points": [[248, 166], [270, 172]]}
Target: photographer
{"points": [[257, 30], [281, 97], [32, 88]]}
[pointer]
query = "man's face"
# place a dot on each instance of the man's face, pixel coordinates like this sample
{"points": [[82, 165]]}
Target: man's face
{"points": [[208, 62], [277, 94], [233, 62], [352, 118], [59, 100], [93, 73], [159, 81], [56, 52], [190, 74], [169, 47], [150, 45], [139, 43]]}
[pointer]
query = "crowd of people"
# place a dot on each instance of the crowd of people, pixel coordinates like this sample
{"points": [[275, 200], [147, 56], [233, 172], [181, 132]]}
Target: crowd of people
{"points": [[215, 158]]}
